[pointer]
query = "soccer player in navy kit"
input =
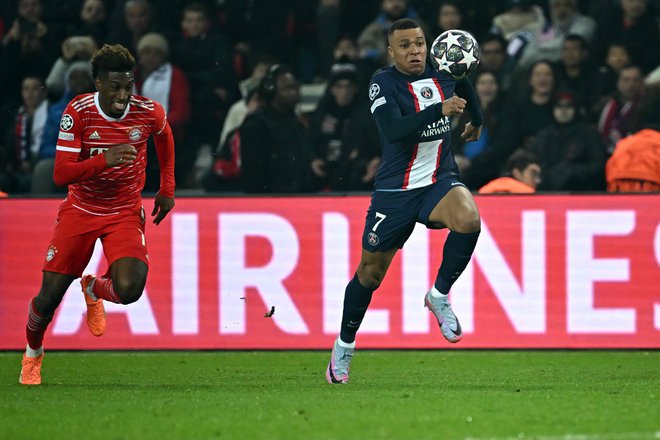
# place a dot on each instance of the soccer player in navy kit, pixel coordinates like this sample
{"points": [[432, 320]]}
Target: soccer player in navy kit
{"points": [[412, 104]]}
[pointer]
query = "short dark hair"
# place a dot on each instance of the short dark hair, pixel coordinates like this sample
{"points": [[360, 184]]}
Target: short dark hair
{"points": [[402, 24], [197, 7], [112, 58], [579, 38], [493, 37], [519, 160]]}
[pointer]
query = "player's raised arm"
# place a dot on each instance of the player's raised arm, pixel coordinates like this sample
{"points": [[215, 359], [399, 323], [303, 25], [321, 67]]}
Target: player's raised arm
{"points": [[394, 126]]}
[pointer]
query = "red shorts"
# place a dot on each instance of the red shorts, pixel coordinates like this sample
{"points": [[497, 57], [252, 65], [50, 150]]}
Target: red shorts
{"points": [[76, 232]]}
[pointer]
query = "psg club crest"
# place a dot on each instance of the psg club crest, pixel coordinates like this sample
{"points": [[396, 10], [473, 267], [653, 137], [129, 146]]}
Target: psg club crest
{"points": [[135, 134], [427, 93], [373, 238], [66, 123]]}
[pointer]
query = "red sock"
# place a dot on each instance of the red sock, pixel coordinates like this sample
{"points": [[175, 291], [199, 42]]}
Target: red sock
{"points": [[36, 327], [103, 289]]}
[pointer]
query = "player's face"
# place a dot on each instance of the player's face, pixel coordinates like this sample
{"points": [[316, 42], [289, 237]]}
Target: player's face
{"points": [[115, 89], [408, 50]]}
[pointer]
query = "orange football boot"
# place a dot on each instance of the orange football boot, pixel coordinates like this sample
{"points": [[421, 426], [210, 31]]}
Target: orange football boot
{"points": [[95, 309], [31, 370]]}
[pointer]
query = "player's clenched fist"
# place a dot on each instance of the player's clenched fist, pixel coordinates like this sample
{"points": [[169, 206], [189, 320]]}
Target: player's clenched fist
{"points": [[453, 106], [120, 155]]}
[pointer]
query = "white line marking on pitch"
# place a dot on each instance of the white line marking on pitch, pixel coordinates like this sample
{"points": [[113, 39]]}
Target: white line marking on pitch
{"points": [[618, 436]]}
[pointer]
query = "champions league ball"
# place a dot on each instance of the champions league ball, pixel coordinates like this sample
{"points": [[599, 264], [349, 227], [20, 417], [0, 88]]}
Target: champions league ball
{"points": [[455, 52]]}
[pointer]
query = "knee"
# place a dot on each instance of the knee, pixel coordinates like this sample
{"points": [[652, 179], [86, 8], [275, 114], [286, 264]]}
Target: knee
{"points": [[468, 223], [370, 276], [128, 290]]}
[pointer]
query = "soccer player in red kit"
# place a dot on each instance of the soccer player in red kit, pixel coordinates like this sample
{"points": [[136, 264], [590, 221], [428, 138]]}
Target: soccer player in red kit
{"points": [[101, 155]]}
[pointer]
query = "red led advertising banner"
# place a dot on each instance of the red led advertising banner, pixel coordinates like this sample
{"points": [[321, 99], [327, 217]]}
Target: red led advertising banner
{"points": [[548, 272]]}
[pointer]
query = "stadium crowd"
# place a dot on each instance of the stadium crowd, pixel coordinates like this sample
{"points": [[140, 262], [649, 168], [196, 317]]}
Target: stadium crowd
{"points": [[271, 95]]}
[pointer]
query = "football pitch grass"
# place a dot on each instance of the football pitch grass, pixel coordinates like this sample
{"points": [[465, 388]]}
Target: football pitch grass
{"points": [[494, 395]]}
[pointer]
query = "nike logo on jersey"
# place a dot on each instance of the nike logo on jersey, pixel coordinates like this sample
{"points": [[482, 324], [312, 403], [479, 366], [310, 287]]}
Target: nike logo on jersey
{"points": [[95, 135]]}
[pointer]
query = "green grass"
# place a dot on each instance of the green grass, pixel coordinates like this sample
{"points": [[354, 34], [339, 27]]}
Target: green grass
{"points": [[549, 395]]}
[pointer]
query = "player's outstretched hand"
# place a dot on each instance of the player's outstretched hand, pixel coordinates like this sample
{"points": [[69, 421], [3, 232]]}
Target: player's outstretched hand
{"points": [[453, 106], [120, 155], [162, 206], [471, 133]]}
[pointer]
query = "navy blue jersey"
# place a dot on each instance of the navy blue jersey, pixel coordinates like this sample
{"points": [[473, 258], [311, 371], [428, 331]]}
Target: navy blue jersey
{"points": [[415, 136]]}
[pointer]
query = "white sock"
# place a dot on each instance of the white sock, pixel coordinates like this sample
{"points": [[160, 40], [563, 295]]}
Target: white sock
{"points": [[345, 344], [29, 352], [435, 293]]}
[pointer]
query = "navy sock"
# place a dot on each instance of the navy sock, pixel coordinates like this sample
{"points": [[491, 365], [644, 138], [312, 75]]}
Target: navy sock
{"points": [[356, 302], [455, 256]]}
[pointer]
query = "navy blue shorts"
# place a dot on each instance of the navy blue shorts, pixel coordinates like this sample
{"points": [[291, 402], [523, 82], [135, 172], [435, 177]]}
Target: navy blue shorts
{"points": [[392, 215]]}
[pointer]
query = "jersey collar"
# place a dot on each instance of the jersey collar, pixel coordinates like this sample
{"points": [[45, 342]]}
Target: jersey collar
{"points": [[102, 113]]}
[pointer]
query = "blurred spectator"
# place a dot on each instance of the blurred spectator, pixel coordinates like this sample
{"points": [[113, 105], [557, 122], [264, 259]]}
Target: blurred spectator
{"points": [[449, 16], [495, 58], [634, 26], [275, 150], [137, 21], [225, 172], [205, 57], [328, 31], [635, 163], [373, 38], [565, 20], [616, 118], [75, 48], [570, 151], [29, 46], [92, 21], [608, 75], [23, 137], [160, 80], [264, 26], [518, 24], [346, 51], [78, 80], [339, 163], [491, 99], [575, 72], [530, 111], [259, 66], [522, 174]]}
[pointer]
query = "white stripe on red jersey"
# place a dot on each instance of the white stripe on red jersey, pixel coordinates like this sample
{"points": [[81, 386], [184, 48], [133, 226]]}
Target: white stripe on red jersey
{"points": [[115, 189]]}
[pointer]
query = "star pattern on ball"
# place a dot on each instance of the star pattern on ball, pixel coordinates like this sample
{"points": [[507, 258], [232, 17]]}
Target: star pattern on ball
{"points": [[452, 39], [468, 58]]}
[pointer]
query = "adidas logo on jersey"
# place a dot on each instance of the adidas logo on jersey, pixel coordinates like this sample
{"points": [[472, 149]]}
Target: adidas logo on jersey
{"points": [[95, 135]]}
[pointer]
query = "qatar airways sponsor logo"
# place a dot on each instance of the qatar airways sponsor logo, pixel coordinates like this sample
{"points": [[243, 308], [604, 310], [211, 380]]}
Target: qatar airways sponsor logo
{"points": [[439, 127], [519, 285]]}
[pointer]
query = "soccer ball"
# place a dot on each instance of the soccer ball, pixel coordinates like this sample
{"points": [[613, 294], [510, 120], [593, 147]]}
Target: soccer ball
{"points": [[455, 52]]}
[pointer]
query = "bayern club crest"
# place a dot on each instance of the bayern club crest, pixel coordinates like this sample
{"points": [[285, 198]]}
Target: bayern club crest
{"points": [[135, 134], [50, 254]]}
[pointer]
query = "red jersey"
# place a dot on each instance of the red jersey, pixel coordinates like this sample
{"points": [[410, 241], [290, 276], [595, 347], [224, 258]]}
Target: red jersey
{"points": [[86, 132]]}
